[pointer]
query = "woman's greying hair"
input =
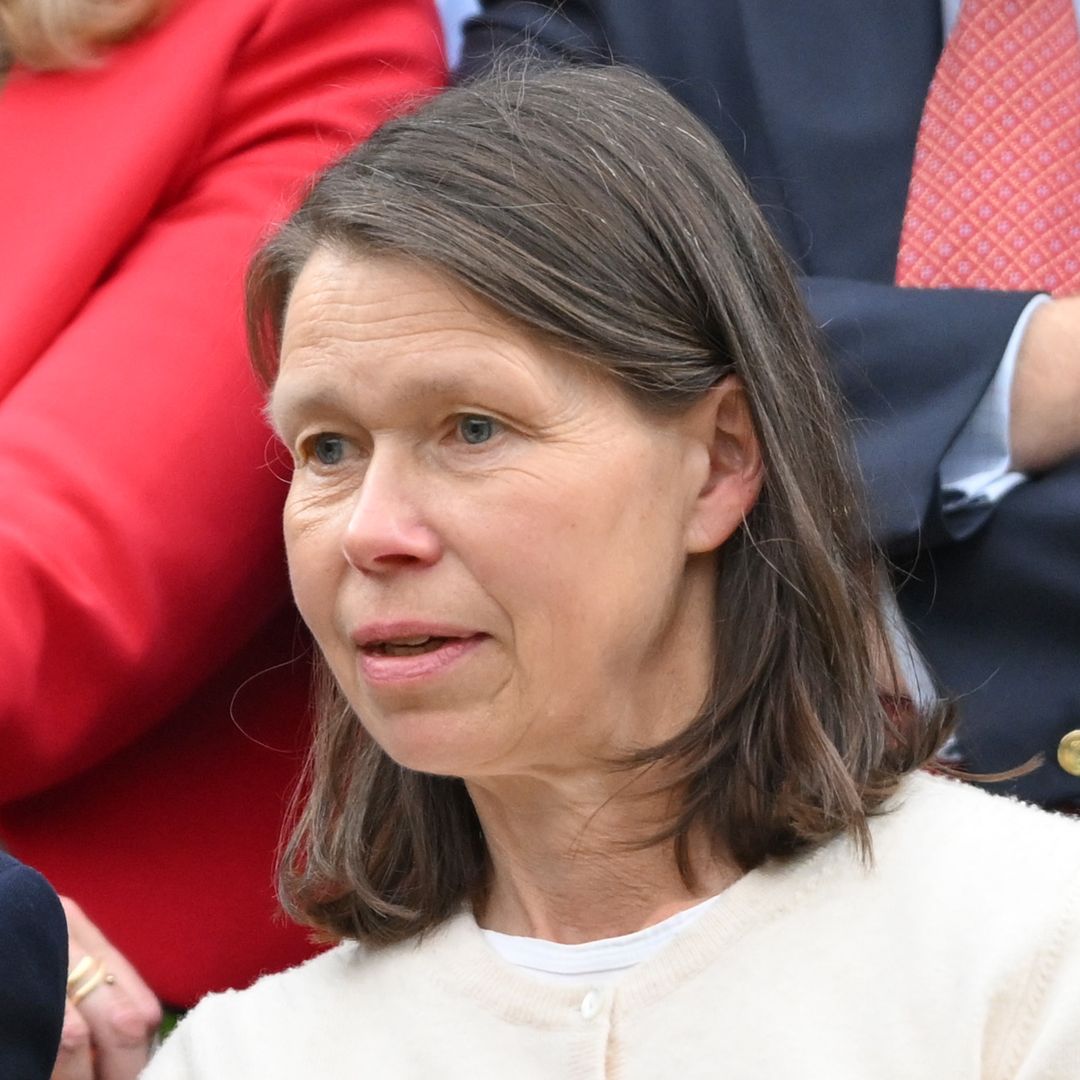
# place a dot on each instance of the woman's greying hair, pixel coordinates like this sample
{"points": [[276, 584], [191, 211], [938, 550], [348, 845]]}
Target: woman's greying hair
{"points": [[593, 209], [56, 34]]}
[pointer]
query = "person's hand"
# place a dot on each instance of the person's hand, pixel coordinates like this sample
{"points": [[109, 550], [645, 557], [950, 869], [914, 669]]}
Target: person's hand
{"points": [[1044, 425], [111, 1014]]}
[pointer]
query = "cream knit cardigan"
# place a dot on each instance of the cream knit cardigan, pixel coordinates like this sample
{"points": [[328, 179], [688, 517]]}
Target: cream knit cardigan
{"points": [[956, 956]]}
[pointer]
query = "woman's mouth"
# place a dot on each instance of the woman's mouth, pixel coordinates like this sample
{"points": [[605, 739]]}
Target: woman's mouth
{"points": [[409, 658]]}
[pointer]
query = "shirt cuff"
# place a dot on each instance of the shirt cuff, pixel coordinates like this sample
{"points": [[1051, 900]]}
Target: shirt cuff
{"points": [[976, 471]]}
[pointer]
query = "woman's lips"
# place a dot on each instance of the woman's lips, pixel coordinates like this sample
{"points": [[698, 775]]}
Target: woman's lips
{"points": [[384, 668]]}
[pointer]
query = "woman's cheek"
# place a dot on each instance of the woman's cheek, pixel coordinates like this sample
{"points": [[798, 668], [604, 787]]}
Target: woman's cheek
{"points": [[315, 557], [306, 593]]}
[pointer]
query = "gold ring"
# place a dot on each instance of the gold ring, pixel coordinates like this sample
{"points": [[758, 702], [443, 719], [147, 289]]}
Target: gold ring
{"points": [[79, 971], [91, 982]]}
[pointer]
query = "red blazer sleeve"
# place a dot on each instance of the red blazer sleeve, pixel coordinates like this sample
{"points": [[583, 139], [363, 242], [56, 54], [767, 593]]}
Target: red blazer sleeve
{"points": [[139, 532]]}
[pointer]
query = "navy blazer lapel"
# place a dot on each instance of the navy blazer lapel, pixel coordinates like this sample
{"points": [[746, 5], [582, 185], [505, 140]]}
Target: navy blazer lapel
{"points": [[840, 86]]}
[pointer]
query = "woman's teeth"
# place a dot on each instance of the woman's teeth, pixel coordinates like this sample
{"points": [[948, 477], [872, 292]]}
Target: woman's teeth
{"points": [[409, 646]]}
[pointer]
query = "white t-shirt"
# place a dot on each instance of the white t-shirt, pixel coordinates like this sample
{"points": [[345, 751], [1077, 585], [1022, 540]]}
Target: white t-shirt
{"points": [[600, 961]]}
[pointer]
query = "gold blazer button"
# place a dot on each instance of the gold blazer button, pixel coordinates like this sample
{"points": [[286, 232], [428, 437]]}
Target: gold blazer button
{"points": [[1069, 753]]}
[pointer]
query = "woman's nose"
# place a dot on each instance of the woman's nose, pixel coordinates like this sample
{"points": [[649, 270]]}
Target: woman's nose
{"points": [[386, 529]]}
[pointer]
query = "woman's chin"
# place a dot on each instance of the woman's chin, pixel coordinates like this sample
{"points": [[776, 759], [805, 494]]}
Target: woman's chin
{"points": [[436, 742]]}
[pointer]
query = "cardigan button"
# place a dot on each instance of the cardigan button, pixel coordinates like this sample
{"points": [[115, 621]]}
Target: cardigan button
{"points": [[590, 1004], [1068, 753]]}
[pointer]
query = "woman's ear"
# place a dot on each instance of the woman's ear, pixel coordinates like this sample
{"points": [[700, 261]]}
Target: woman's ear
{"points": [[723, 423]]}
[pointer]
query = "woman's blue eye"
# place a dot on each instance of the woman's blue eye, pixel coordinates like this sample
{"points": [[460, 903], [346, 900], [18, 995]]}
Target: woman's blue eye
{"points": [[476, 429], [328, 449]]}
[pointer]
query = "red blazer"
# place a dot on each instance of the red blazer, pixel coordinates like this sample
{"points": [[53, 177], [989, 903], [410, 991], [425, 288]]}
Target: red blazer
{"points": [[151, 722]]}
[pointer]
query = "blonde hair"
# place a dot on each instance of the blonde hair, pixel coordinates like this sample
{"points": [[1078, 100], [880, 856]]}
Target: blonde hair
{"points": [[57, 34]]}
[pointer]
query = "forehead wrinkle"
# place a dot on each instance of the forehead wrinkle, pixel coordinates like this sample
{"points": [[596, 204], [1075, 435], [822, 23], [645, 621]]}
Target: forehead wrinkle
{"points": [[350, 284], [333, 318], [335, 289], [437, 362]]}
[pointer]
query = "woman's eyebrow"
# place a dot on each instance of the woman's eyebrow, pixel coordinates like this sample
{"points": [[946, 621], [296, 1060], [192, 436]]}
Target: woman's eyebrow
{"points": [[445, 384], [298, 402]]}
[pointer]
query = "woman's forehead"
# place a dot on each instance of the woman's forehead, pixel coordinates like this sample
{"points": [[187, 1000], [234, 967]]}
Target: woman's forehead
{"points": [[381, 327], [337, 294]]}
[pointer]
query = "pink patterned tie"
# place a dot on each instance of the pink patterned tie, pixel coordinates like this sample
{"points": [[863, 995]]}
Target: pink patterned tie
{"points": [[994, 201]]}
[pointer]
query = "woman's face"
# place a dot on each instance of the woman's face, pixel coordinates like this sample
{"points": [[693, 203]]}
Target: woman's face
{"points": [[488, 541]]}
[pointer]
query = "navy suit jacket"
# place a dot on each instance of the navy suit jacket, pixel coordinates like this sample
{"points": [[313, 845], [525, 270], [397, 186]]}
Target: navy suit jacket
{"points": [[819, 105], [33, 972]]}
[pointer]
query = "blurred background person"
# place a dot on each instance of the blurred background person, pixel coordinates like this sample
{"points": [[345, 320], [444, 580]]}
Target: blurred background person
{"points": [[153, 690], [897, 149], [33, 967]]}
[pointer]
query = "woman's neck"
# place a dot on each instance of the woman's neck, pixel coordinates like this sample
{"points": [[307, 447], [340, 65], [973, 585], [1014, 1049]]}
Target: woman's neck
{"points": [[565, 866]]}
